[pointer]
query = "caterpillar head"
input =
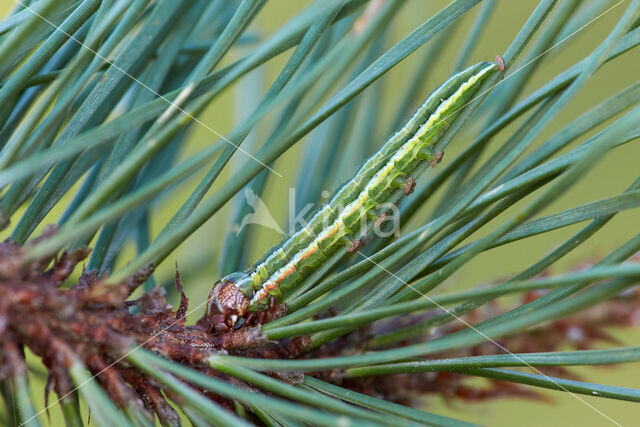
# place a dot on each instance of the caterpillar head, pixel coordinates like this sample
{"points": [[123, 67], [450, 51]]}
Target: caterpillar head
{"points": [[227, 302]]}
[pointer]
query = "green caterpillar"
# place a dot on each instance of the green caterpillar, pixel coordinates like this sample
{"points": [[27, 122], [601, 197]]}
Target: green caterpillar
{"points": [[382, 179]]}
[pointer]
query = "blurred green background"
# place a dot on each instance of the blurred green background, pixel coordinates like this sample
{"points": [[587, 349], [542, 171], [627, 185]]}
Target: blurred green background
{"points": [[198, 260]]}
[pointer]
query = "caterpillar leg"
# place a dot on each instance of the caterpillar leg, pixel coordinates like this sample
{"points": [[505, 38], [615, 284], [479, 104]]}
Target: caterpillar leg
{"points": [[356, 244], [409, 186], [406, 185], [272, 312], [426, 153], [437, 157], [380, 220]]}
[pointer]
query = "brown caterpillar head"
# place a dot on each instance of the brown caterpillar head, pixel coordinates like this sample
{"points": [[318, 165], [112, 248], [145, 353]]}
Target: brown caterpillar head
{"points": [[226, 302]]}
